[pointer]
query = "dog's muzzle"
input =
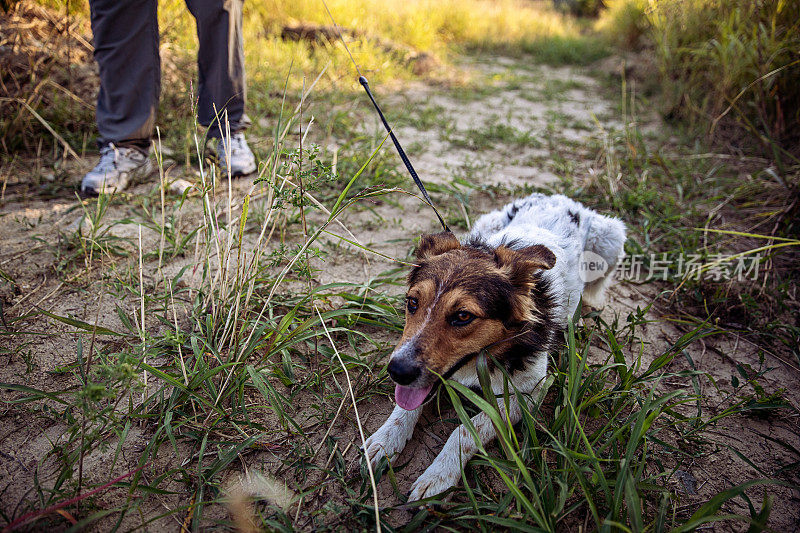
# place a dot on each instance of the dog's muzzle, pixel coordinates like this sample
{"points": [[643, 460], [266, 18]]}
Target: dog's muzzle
{"points": [[405, 370]]}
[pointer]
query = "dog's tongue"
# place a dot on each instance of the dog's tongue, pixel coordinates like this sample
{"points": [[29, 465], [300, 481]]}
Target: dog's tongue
{"points": [[408, 398]]}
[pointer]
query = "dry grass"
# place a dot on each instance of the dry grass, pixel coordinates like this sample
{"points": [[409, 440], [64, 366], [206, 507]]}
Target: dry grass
{"points": [[727, 66]]}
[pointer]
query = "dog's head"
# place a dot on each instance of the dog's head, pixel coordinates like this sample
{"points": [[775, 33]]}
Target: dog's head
{"points": [[460, 300]]}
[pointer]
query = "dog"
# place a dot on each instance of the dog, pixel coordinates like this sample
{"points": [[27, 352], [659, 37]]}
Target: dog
{"points": [[510, 288]]}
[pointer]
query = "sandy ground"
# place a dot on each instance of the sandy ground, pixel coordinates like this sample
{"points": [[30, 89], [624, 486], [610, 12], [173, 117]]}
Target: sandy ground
{"points": [[32, 223]]}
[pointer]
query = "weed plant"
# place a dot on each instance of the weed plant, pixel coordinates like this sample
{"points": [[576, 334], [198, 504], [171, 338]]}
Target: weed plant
{"points": [[729, 67]]}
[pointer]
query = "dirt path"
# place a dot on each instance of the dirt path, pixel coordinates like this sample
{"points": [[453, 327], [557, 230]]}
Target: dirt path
{"points": [[519, 127]]}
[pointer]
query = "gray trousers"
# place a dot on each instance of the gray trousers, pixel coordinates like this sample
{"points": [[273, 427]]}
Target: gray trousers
{"points": [[126, 50]]}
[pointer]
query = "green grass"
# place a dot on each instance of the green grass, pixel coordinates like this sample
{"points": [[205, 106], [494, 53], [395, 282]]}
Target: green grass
{"points": [[243, 339], [495, 134], [595, 452], [225, 355], [250, 362]]}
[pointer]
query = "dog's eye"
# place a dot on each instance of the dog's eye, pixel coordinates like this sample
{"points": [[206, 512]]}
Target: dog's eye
{"points": [[462, 318], [412, 304]]}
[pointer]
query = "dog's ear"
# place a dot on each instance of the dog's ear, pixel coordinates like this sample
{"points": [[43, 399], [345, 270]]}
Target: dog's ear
{"points": [[520, 265], [436, 244]]}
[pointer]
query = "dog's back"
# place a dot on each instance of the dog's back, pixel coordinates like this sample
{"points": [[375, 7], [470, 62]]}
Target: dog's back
{"points": [[569, 229]]}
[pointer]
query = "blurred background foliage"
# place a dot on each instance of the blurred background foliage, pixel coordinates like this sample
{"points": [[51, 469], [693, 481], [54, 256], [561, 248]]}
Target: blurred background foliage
{"points": [[727, 68]]}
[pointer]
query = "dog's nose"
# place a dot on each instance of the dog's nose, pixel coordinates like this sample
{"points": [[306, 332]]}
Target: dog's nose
{"points": [[403, 371]]}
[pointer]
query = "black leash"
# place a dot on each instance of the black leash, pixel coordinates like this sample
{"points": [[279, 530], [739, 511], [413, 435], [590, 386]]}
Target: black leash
{"points": [[402, 153], [364, 83]]}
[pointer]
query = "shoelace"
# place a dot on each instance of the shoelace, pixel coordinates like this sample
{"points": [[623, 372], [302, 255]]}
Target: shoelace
{"points": [[108, 158]]}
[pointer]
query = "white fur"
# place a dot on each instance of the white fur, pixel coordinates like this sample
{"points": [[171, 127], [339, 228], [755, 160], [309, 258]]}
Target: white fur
{"points": [[542, 219], [537, 219]]}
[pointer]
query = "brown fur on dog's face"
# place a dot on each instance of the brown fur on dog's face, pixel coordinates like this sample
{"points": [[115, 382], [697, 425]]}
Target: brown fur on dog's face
{"points": [[463, 299]]}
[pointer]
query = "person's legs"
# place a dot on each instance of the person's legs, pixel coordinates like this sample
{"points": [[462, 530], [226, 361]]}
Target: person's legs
{"points": [[220, 62], [126, 50]]}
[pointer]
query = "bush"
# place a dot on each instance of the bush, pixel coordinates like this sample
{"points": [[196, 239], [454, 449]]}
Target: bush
{"points": [[624, 23], [731, 67], [720, 55]]}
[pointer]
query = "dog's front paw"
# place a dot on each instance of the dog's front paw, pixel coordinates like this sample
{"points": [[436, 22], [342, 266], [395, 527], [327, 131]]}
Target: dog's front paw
{"points": [[387, 442], [436, 479], [375, 449]]}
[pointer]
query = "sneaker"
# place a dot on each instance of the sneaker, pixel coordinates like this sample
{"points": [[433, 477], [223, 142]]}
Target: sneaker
{"points": [[243, 161], [118, 165]]}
